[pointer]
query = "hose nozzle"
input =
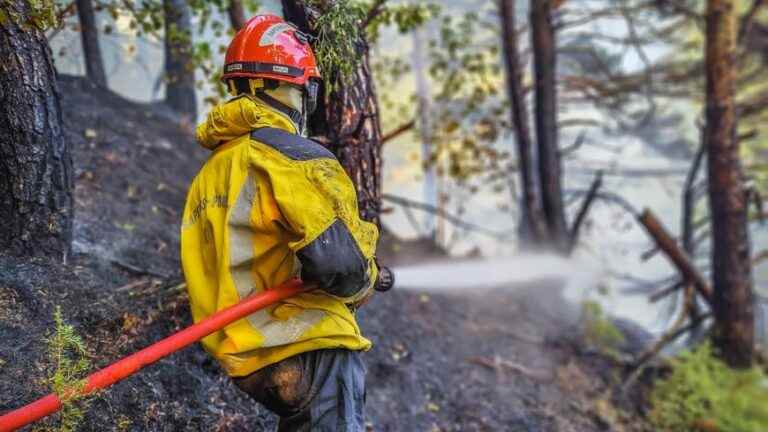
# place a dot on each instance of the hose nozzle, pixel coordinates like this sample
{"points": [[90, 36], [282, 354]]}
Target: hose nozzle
{"points": [[386, 279]]}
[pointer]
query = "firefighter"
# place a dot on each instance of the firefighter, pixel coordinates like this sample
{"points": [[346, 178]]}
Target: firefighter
{"points": [[269, 205]]}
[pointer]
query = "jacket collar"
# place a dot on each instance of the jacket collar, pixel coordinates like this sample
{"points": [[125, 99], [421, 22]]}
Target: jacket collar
{"points": [[238, 117]]}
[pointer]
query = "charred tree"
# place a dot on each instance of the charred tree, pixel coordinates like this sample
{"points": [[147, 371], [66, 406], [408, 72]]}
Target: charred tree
{"points": [[236, 14], [35, 163], [544, 67], [179, 65], [532, 228], [732, 270], [348, 119], [89, 34]]}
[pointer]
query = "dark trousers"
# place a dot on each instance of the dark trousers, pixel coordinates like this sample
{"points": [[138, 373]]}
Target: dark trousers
{"points": [[321, 391]]}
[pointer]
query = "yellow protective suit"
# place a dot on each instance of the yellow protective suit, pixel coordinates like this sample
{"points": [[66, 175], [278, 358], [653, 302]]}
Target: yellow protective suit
{"points": [[269, 205]]}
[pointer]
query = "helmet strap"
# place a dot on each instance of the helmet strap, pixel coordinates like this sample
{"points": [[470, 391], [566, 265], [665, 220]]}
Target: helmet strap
{"points": [[294, 114], [257, 87]]}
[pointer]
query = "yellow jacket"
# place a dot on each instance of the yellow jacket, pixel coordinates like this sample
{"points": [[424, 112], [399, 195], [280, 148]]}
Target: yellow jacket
{"points": [[269, 205]]}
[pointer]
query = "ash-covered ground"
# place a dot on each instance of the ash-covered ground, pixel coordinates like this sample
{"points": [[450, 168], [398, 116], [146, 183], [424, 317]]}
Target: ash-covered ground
{"points": [[470, 361]]}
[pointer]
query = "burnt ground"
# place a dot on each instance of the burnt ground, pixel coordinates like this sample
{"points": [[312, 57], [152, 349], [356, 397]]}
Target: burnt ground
{"points": [[493, 362]]}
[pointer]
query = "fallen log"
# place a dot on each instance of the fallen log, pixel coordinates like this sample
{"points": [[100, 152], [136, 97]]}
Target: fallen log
{"points": [[676, 255]]}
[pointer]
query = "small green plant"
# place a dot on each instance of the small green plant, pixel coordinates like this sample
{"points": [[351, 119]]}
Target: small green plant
{"points": [[67, 352], [703, 393], [599, 331]]}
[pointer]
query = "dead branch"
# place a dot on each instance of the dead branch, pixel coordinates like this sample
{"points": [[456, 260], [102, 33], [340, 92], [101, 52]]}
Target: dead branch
{"points": [[609, 197], [749, 135], [669, 337], [497, 363], [63, 13], [678, 257], [522, 337], [593, 15], [689, 197], [405, 127], [133, 269], [577, 143], [678, 7], [455, 220], [629, 172], [699, 224], [757, 198], [563, 124], [760, 257], [132, 285], [749, 18], [584, 210], [658, 295]]}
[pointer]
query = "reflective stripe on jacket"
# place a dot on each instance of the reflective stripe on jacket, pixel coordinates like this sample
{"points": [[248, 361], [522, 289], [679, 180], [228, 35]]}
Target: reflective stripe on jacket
{"points": [[266, 206]]}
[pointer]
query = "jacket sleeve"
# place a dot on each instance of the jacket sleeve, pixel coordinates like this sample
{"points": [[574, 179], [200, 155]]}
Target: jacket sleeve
{"points": [[318, 203]]}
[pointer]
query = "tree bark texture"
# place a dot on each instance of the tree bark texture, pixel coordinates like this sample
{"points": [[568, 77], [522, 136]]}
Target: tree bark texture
{"points": [[544, 65], [348, 120], [236, 14], [35, 163], [532, 224], [179, 66], [732, 270], [89, 34]]}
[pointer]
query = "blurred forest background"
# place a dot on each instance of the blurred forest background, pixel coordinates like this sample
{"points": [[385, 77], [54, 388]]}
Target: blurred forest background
{"points": [[627, 135]]}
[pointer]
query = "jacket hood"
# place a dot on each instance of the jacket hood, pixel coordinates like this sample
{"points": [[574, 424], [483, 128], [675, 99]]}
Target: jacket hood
{"points": [[238, 117]]}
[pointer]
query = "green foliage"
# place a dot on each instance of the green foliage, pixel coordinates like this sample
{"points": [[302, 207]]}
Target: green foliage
{"points": [[29, 14], [338, 46], [406, 17], [702, 390], [599, 331], [67, 352], [471, 109], [146, 18]]}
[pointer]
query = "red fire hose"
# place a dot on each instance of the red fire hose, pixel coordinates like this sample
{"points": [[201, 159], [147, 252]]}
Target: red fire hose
{"points": [[131, 364]]}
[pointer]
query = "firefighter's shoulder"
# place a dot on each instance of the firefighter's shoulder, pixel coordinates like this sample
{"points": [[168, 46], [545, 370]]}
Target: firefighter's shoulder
{"points": [[290, 145]]}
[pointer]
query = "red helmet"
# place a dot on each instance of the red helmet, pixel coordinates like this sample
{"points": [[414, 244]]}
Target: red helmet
{"points": [[268, 47]]}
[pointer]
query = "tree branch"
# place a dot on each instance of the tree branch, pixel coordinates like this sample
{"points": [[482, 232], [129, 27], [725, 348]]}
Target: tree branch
{"points": [[584, 210], [749, 19], [236, 14], [405, 127], [374, 12], [445, 215]]}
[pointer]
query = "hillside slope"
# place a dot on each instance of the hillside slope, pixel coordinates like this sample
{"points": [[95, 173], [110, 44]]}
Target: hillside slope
{"points": [[499, 361]]}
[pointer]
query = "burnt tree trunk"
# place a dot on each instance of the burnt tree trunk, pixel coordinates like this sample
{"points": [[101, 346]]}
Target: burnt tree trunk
{"points": [[532, 228], [732, 270], [348, 121], [544, 66], [179, 66], [236, 14], [89, 34], [35, 163]]}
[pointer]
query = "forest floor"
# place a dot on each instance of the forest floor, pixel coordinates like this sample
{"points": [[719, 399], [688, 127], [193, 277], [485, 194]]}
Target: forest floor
{"points": [[509, 360]]}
